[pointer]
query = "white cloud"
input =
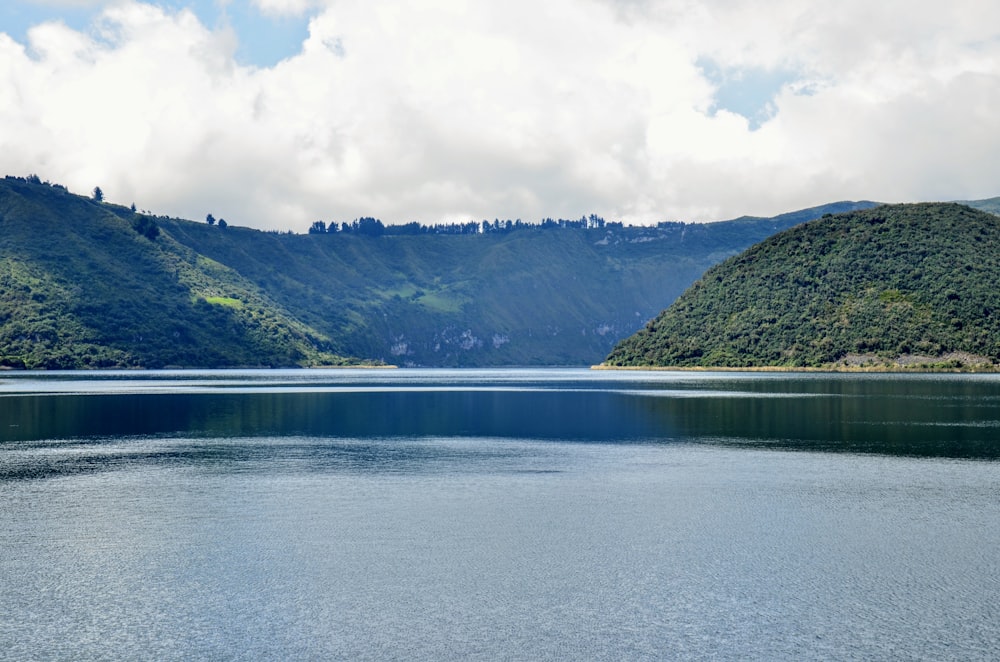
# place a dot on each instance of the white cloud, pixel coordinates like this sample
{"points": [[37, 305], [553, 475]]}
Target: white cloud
{"points": [[286, 7], [456, 110], [71, 4]]}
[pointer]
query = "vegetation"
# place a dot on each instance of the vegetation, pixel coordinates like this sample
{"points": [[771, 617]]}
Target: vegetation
{"points": [[88, 284], [82, 285], [893, 286], [991, 205], [451, 295]]}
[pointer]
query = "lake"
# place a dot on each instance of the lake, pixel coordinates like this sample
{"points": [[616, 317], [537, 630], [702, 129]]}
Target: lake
{"points": [[498, 514]]}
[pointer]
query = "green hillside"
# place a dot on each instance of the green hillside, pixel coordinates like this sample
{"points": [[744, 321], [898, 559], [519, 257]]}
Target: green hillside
{"points": [[992, 205], [81, 287], [536, 296], [91, 284], [893, 286]]}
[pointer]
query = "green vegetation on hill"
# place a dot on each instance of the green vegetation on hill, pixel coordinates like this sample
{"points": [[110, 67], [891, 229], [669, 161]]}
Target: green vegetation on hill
{"points": [[991, 205], [893, 286], [539, 295], [85, 283]]}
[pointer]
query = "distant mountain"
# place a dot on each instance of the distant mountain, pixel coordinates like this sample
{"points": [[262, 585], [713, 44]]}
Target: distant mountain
{"points": [[893, 286], [991, 205], [91, 284]]}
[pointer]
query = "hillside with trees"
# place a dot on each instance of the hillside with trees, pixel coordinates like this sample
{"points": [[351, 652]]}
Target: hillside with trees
{"points": [[88, 283], [84, 284], [891, 287], [548, 293]]}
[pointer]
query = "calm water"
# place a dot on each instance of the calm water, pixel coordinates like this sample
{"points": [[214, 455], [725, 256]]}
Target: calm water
{"points": [[521, 514]]}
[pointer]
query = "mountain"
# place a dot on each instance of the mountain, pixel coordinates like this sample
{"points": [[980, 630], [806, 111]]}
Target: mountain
{"points": [[91, 284], [991, 205], [534, 296], [892, 286]]}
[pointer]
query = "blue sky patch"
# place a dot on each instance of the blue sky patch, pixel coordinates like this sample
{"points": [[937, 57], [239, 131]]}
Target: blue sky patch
{"points": [[746, 92], [264, 40], [17, 17]]}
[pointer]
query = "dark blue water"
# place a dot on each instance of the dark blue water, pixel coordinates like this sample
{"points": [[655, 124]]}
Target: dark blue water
{"points": [[498, 515]]}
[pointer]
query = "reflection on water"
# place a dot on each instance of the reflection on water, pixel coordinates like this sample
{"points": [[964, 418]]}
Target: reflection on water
{"points": [[521, 515], [485, 549], [262, 456], [936, 416]]}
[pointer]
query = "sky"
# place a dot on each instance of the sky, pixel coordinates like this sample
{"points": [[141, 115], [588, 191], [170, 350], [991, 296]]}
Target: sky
{"points": [[274, 114]]}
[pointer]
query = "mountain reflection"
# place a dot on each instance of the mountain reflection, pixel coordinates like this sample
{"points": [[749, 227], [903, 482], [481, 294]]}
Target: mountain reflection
{"points": [[948, 417]]}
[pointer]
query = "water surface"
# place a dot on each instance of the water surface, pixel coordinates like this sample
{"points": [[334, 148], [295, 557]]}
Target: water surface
{"points": [[528, 515]]}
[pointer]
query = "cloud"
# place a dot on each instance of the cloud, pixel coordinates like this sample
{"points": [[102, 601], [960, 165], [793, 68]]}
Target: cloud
{"points": [[72, 4], [463, 110], [286, 7]]}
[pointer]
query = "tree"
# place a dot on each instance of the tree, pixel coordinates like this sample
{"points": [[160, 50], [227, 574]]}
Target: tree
{"points": [[369, 226], [319, 227], [222, 223], [210, 219], [146, 226], [133, 207], [98, 194]]}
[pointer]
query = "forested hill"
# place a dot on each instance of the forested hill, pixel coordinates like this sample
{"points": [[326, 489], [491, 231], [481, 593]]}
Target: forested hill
{"points": [[85, 283], [534, 296], [894, 286], [90, 285]]}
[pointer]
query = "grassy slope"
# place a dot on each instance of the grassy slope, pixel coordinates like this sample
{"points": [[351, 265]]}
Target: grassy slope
{"points": [[529, 297], [80, 288], [894, 281], [991, 205]]}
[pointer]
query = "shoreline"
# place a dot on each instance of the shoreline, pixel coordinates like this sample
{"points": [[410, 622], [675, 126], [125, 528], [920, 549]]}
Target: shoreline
{"points": [[949, 362], [903, 369]]}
